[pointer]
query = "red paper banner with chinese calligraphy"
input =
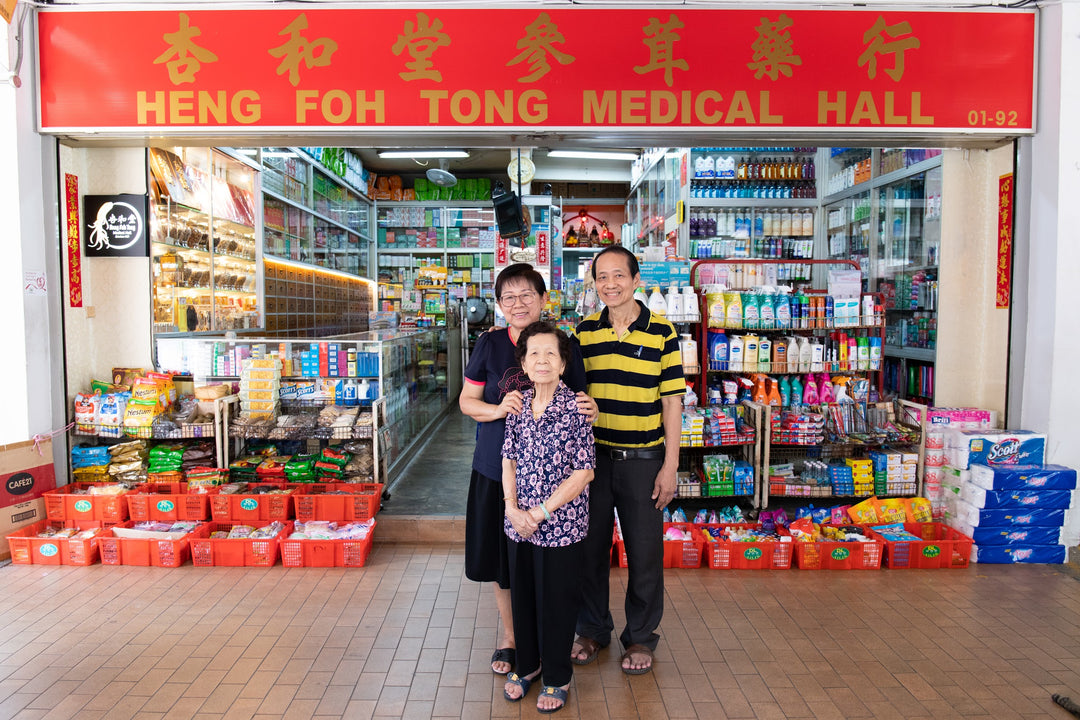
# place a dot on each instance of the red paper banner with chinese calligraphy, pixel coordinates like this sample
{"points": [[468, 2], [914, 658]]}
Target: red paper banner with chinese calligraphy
{"points": [[74, 252], [1005, 230], [485, 68]]}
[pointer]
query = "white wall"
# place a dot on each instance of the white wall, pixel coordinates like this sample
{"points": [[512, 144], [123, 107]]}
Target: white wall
{"points": [[113, 328]]}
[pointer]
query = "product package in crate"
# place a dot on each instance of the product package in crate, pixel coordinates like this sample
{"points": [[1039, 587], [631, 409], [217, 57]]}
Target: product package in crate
{"points": [[923, 545], [235, 545], [53, 543], [328, 544], [169, 502], [829, 547], [339, 502], [149, 544], [103, 502], [253, 503], [745, 546], [682, 546]]}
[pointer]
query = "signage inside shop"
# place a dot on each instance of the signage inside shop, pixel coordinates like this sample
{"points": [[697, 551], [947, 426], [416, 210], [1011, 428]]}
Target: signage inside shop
{"points": [[860, 70]]}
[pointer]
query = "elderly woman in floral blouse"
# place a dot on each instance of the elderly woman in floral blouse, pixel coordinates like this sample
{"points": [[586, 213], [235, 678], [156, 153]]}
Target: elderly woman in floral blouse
{"points": [[548, 461]]}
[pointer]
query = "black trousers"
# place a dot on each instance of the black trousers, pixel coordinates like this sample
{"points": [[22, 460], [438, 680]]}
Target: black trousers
{"points": [[626, 486], [544, 597]]}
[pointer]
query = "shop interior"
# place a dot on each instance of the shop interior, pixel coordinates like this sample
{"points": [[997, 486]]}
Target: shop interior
{"points": [[369, 272]]}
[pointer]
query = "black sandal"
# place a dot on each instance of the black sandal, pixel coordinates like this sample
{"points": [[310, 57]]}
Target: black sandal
{"points": [[506, 655]]}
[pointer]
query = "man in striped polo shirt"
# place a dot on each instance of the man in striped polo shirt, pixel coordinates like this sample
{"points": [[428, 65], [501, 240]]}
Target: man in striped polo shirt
{"points": [[633, 370]]}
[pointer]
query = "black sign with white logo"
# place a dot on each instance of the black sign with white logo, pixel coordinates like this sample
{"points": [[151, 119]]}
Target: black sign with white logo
{"points": [[116, 225], [20, 483]]}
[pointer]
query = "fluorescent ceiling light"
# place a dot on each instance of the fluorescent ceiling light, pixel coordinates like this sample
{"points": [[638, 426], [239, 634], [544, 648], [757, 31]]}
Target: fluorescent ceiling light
{"points": [[423, 154], [593, 155]]}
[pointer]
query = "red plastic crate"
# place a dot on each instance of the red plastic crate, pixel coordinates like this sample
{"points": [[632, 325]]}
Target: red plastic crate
{"points": [[164, 502], [722, 555], [358, 504], [26, 549], [326, 553], [236, 552], [940, 547], [839, 555], [253, 509], [677, 553], [142, 552], [63, 506]]}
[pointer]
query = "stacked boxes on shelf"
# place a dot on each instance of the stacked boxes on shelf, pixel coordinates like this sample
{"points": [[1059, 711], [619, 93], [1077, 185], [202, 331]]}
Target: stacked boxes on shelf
{"points": [[260, 385], [895, 473], [862, 476]]}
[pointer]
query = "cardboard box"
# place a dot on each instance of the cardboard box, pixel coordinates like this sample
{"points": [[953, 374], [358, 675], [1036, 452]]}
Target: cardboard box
{"points": [[25, 474], [18, 516]]}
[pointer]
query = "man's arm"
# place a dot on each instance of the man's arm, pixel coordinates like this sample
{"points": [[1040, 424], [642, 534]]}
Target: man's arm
{"points": [[667, 478]]}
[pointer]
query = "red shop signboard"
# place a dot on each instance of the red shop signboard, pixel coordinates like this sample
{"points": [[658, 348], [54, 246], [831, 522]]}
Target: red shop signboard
{"points": [[863, 71]]}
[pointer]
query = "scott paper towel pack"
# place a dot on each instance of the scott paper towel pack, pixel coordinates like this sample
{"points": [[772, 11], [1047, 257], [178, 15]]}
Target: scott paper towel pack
{"points": [[964, 448], [1022, 477]]}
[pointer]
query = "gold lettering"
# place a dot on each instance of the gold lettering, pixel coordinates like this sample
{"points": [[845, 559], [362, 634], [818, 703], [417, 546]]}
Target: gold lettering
{"points": [[504, 106], [208, 106], [328, 106], [865, 109], [664, 106], [633, 101], [598, 110], [181, 107], [687, 105], [246, 107], [763, 108], [378, 105], [891, 118], [305, 102], [143, 108], [917, 118], [699, 107], [825, 106], [530, 112], [433, 97], [458, 101], [740, 109]]}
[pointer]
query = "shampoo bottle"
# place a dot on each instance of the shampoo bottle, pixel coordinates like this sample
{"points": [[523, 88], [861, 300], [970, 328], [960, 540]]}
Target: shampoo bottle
{"points": [[675, 305], [691, 310], [656, 303], [735, 353], [806, 355]]}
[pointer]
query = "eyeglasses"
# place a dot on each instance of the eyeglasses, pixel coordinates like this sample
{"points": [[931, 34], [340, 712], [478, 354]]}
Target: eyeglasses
{"points": [[526, 298]]}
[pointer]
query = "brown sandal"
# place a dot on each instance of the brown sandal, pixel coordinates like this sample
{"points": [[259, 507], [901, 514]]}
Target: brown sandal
{"points": [[637, 650], [590, 647]]}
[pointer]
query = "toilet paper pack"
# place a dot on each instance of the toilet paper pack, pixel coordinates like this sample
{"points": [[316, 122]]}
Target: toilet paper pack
{"points": [[1007, 447], [1023, 499], [969, 514], [1022, 477]]}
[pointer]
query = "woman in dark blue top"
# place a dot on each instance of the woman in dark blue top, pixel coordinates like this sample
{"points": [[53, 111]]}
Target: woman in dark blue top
{"points": [[493, 389]]}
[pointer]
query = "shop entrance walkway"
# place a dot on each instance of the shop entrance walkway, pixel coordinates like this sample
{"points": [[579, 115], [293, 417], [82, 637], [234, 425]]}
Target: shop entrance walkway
{"points": [[408, 637]]}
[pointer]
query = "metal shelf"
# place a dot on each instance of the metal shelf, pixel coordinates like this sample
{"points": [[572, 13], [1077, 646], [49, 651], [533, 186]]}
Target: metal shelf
{"points": [[751, 202], [910, 353]]}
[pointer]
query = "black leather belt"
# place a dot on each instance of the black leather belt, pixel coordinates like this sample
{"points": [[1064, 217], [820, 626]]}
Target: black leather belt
{"points": [[621, 453]]}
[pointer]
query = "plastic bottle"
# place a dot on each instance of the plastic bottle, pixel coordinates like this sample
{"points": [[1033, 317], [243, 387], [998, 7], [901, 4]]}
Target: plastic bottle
{"points": [[775, 399], [785, 391], [735, 354], [779, 355], [806, 355], [691, 309], [750, 353], [639, 295], [875, 353], [751, 311], [718, 350], [767, 311], [796, 391], [817, 356], [782, 310], [689, 352], [733, 302], [764, 355], [674, 306], [864, 353], [656, 303]]}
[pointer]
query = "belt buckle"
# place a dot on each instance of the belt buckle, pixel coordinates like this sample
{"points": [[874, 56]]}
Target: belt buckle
{"points": [[619, 454]]}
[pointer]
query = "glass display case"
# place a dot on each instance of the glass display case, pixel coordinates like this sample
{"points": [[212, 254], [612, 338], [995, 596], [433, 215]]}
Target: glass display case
{"points": [[203, 230], [311, 215], [654, 196], [401, 375]]}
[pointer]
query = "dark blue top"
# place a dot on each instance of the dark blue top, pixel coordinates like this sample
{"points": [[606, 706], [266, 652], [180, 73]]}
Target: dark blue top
{"points": [[492, 365]]}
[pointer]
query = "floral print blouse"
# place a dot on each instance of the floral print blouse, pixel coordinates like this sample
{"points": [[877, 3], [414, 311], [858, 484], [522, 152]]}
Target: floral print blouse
{"points": [[548, 449]]}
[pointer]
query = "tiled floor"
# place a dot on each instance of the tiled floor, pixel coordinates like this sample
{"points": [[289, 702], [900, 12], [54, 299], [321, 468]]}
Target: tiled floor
{"points": [[408, 637]]}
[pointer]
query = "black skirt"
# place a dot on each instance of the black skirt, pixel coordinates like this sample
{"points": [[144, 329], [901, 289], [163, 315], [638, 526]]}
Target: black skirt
{"points": [[486, 554]]}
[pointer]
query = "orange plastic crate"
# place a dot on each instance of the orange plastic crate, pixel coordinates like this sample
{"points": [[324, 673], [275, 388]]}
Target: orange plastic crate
{"points": [[839, 555], [326, 553], [721, 555], [359, 504], [236, 552], [941, 547], [63, 506], [137, 551], [26, 549], [164, 503], [677, 553], [253, 509]]}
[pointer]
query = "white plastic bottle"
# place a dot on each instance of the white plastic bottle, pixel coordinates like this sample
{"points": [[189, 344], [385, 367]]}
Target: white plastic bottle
{"points": [[691, 309], [656, 302], [735, 353], [674, 310], [689, 351]]}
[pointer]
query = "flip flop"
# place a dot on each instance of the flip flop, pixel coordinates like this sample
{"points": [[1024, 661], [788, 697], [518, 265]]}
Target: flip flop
{"points": [[591, 649], [636, 650], [556, 692], [506, 655], [522, 682]]}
